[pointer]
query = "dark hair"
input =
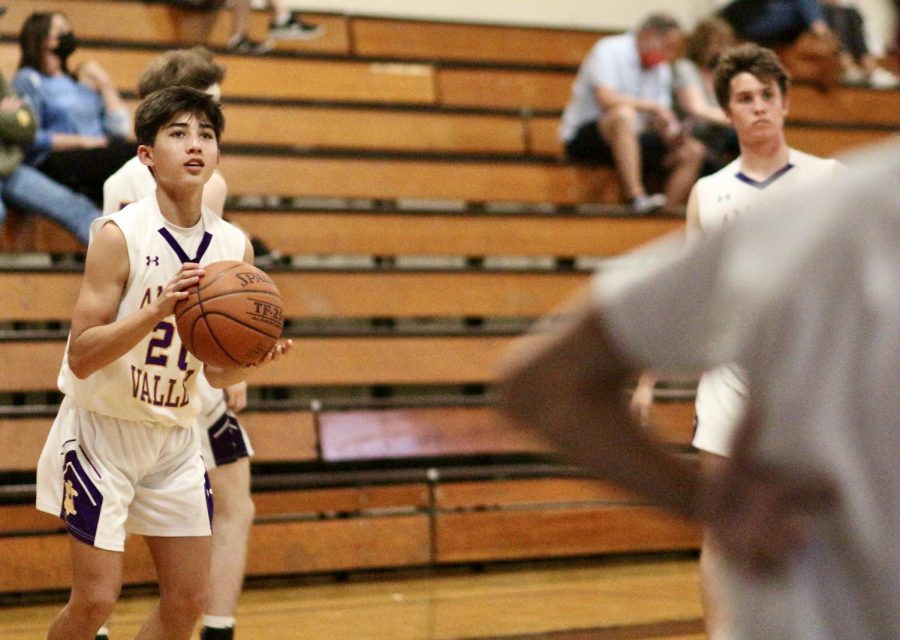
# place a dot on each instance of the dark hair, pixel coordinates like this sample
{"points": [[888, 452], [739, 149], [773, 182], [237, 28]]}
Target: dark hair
{"points": [[161, 106], [748, 58], [32, 36], [181, 67], [706, 33], [659, 23]]}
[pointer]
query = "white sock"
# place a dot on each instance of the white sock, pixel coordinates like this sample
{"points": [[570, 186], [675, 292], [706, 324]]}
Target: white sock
{"points": [[218, 622], [103, 631], [282, 17]]}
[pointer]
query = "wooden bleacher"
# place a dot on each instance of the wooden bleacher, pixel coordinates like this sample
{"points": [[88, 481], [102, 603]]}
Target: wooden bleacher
{"points": [[434, 140]]}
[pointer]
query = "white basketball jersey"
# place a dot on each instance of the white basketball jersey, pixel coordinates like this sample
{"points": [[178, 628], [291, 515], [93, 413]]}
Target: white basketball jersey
{"points": [[723, 197], [129, 184], [155, 381]]}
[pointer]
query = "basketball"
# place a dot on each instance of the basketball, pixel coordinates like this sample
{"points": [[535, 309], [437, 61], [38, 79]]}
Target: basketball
{"points": [[233, 317]]}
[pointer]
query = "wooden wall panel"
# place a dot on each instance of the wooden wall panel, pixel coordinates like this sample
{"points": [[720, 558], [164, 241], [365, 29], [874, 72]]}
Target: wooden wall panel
{"points": [[335, 545]]}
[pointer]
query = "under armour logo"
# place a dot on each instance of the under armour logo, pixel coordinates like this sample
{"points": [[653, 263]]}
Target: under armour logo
{"points": [[154, 260]]}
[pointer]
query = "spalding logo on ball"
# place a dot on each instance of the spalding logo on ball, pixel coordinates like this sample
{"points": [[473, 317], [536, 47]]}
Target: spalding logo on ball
{"points": [[233, 317]]}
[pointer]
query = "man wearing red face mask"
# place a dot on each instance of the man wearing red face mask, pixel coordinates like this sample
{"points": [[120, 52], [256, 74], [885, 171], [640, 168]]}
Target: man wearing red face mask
{"points": [[620, 113]]}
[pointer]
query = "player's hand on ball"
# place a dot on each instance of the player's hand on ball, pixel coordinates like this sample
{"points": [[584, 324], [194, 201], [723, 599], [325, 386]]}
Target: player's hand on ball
{"points": [[279, 349], [178, 287]]}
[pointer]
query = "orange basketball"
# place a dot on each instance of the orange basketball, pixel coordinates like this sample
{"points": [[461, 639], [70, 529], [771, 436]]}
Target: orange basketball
{"points": [[233, 317]]}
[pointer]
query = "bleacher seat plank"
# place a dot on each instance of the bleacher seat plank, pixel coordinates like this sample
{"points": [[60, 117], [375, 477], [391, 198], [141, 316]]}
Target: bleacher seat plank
{"points": [[342, 500], [543, 136], [30, 365], [281, 436], [470, 42], [51, 295], [21, 441], [43, 562], [859, 105], [266, 77], [479, 495], [819, 140], [418, 179], [38, 296], [371, 129], [673, 421], [503, 89], [33, 365], [339, 544], [832, 141], [348, 232], [140, 22], [400, 294], [277, 436], [554, 532], [421, 432], [25, 518], [385, 360]]}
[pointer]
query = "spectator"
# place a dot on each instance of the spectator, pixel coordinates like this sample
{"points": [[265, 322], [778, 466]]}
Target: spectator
{"points": [[857, 63], [82, 120], [621, 112], [27, 188], [796, 29], [285, 25], [695, 97]]}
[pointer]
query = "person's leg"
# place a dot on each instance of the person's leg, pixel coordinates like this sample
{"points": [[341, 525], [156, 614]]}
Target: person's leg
{"points": [[685, 162], [182, 567], [96, 582], [240, 40], [31, 190], [620, 128], [715, 609], [231, 530]]}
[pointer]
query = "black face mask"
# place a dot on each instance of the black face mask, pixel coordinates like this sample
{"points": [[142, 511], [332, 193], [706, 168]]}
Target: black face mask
{"points": [[66, 45]]}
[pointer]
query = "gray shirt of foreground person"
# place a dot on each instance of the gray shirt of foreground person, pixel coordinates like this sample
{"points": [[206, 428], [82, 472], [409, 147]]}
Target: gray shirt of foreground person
{"points": [[807, 298]]}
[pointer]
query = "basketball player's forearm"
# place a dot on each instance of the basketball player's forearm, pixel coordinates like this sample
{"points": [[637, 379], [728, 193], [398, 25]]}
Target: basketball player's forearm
{"points": [[221, 378], [101, 345]]}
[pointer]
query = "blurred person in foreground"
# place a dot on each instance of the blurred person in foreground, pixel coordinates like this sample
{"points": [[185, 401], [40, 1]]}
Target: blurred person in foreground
{"points": [[805, 297]]}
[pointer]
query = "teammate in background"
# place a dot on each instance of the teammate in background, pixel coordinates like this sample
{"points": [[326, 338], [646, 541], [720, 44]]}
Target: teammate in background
{"points": [[122, 454], [751, 85], [224, 443]]}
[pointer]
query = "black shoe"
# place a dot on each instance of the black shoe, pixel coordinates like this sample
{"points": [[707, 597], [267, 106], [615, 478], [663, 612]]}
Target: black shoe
{"points": [[295, 29], [245, 46], [208, 633]]}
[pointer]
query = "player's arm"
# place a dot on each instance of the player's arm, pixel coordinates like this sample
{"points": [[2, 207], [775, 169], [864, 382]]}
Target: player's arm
{"points": [[569, 386], [220, 377], [97, 338]]}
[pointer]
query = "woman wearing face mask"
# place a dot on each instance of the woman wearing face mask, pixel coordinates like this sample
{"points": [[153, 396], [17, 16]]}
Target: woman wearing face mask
{"points": [[84, 124], [695, 99]]}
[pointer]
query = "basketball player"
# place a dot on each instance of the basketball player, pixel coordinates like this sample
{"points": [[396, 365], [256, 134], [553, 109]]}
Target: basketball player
{"points": [[122, 454], [225, 445], [751, 85]]}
